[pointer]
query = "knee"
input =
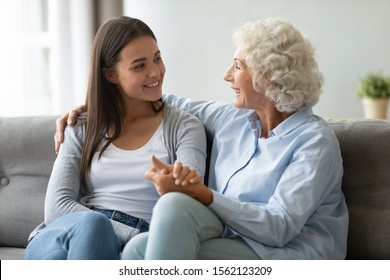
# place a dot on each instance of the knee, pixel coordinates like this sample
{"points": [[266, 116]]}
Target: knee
{"points": [[135, 248], [95, 230], [174, 207], [173, 203], [93, 221]]}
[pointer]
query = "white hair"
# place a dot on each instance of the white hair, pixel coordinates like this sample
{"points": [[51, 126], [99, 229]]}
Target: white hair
{"points": [[279, 53]]}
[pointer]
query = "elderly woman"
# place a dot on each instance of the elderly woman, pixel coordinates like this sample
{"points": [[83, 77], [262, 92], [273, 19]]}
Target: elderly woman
{"points": [[274, 188]]}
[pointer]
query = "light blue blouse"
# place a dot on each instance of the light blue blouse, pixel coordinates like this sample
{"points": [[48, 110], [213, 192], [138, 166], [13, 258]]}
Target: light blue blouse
{"points": [[281, 194]]}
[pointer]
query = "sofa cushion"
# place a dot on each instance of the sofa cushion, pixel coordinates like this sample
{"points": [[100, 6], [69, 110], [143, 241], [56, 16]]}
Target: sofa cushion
{"points": [[365, 148], [27, 155], [26, 159]]}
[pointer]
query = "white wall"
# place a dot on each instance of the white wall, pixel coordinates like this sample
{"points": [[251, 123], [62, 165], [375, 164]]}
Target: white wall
{"points": [[352, 37]]}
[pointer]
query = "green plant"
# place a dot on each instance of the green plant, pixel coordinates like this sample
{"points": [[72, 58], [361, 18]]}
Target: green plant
{"points": [[374, 85]]}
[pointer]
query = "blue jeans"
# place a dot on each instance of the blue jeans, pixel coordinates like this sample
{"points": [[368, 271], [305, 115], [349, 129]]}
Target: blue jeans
{"points": [[183, 228], [123, 218], [86, 235]]}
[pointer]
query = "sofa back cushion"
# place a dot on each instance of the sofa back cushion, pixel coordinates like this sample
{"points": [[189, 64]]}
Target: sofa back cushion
{"points": [[26, 159], [365, 148], [27, 156]]}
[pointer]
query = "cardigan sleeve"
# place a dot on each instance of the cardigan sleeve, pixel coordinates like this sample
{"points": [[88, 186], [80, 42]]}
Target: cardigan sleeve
{"points": [[65, 181], [186, 139]]}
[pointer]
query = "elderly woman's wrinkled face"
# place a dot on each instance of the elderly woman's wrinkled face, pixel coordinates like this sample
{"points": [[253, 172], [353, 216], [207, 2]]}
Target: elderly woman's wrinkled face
{"points": [[240, 78]]}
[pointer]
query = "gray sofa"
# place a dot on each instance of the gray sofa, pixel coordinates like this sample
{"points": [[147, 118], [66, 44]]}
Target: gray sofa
{"points": [[27, 155]]}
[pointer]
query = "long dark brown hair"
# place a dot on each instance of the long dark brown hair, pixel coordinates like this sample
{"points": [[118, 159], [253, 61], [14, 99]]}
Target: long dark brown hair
{"points": [[103, 102]]}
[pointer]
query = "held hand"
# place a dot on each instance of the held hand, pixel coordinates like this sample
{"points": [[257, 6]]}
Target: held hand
{"points": [[67, 119], [161, 175], [183, 174], [163, 182], [164, 168]]}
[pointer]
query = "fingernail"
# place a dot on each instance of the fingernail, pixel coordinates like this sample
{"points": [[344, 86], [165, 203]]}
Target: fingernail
{"points": [[177, 182]]}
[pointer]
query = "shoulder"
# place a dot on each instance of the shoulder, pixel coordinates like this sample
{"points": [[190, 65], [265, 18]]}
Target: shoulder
{"points": [[73, 140], [74, 133], [321, 127], [317, 138]]}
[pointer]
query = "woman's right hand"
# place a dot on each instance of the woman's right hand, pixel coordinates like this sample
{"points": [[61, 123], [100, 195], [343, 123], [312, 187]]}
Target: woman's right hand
{"points": [[70, 119]]}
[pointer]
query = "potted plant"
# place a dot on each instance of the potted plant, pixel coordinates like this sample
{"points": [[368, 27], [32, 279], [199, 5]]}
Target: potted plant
{"points": [[374, 90]]}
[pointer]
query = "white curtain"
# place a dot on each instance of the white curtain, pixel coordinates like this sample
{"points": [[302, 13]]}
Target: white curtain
{"points": [[74, 26]]}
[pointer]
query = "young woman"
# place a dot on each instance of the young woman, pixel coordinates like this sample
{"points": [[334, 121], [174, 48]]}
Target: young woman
{"points": [[97, 197]]}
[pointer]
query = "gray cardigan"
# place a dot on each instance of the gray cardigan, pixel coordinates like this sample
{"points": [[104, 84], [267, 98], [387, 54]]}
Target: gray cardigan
{"points": [[185, 140]]}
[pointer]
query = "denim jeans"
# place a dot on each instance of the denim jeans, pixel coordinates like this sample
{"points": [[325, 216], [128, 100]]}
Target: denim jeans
{"points": [[183, 228], [86, 235], [123, 218]]}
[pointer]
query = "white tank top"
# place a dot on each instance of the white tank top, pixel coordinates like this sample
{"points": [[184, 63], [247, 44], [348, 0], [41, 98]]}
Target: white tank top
{"points": [[118, 181]]}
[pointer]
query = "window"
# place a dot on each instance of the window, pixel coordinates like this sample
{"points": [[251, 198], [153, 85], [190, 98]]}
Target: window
{"points": [[44, 53], [25, 54]]}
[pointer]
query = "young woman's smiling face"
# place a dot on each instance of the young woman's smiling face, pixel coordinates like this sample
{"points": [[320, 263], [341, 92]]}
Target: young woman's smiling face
{"points": [[139, 74]]}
